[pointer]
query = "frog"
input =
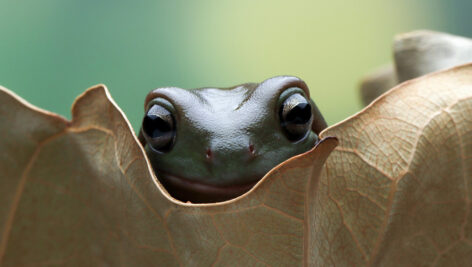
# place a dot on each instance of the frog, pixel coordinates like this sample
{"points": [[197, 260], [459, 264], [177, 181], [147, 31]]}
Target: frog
{"points": [[211, 144]]}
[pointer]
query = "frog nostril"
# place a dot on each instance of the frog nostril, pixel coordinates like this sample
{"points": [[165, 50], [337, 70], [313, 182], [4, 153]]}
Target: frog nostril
{"points": [[252, 150], [208, 154]]}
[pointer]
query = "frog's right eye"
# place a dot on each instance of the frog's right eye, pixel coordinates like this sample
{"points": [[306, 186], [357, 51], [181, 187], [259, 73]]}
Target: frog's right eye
{"points": [[296, 117], [159, 128]]}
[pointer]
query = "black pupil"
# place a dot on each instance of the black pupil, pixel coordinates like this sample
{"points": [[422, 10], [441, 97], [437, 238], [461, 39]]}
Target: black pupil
{"points": [[299, 114], [155, 126]]}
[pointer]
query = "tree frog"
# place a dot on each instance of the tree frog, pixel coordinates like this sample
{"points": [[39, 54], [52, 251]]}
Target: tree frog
{"points": [[213, 144]]}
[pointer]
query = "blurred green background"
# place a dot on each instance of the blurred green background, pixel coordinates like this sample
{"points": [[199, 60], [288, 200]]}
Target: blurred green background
{"points": [[52, 50]]}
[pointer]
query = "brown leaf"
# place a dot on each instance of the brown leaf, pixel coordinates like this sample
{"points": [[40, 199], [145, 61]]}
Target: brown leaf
{"points": [[415, 54], [420, 52], [397, 190], [377, 82], [81, 193]]}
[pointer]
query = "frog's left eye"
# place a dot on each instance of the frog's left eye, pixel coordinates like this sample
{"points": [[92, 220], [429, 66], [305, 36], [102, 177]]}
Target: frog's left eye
{"points": [[159, 128], [296, 117]]}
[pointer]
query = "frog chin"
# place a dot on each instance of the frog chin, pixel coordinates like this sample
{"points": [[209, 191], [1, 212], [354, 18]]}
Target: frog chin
{"points": [[187, 190]]}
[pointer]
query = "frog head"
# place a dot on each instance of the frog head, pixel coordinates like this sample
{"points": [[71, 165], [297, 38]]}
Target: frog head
{"points": [[214, 144]]}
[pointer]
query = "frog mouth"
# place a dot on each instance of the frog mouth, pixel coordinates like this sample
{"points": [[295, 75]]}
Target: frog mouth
{"points": [[187, 190]]}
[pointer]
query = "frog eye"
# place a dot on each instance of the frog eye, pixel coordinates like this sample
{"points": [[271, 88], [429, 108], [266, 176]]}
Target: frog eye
{"points": [[159, 128], [296, 117]]}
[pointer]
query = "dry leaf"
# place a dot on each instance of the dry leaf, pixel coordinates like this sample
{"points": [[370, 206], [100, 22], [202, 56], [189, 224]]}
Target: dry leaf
{"points": [[420, 52], [415, 54], [377, 82], [396, 191], [81, 193]]}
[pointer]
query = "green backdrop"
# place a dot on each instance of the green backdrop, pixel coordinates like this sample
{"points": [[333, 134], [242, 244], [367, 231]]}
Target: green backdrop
{"points": [[52, 50]]}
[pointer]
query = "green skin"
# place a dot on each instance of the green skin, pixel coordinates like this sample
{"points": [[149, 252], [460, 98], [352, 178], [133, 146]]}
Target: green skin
{"points": [[226, 139]]}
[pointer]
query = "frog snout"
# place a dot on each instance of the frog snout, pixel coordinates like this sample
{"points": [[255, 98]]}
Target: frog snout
{"points": [[226, 166], [246, 153]]}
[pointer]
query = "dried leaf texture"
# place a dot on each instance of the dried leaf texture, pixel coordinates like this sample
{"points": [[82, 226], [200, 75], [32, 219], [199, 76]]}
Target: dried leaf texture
{"points": [[397, 190], [81, 193]]}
